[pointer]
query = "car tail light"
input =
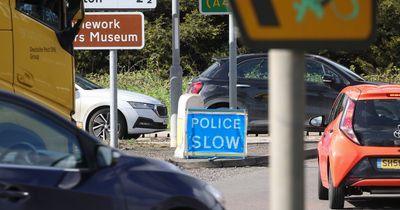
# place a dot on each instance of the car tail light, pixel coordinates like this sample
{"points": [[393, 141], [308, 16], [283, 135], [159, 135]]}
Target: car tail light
{"points": [[196, 87], [346, 125]]}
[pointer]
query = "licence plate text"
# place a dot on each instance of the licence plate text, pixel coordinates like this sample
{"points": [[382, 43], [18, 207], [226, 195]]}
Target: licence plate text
{"points": [[388, 163]]}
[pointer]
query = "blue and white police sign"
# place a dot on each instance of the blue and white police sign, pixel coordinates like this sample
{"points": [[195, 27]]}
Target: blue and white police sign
{"points": [[216, 133]]}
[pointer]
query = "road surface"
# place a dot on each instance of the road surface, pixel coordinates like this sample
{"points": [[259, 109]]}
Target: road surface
{"points": [[251, 191]]}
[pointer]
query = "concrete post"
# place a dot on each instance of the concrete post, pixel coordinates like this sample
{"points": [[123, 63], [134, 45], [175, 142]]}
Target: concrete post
{"points": [[175, 72], [286, 117], [232, 64]]}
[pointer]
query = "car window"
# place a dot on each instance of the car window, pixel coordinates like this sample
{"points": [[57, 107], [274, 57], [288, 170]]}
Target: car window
{"points": [[370, 112], [337, 107], [211, 70], [341, 106], [376, 122], [27, 138], [86, 84], [313, 72], [47, 12], [253, 69]]}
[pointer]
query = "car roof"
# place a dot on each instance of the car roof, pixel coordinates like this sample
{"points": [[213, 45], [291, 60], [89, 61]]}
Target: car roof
{"points": [[257, 55], [371, 92]]}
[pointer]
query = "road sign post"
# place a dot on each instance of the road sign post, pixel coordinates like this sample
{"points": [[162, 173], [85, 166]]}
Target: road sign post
{"points": [[232, 64], [286, 114], [114, 101], [221, 7], [176, 72], [303, 24], [111, 31]]}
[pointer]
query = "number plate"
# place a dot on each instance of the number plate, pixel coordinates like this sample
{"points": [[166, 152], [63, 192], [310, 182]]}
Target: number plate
{"points": [[388, 163]]}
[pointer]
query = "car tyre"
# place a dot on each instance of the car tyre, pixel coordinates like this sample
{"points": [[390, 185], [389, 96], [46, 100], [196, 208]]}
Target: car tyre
{"points": [[322, 191], [99, 124], [336, 195]]}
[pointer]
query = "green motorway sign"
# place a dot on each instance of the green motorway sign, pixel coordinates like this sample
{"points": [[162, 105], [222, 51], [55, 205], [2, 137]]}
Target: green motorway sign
{"points": [[214, 7]]}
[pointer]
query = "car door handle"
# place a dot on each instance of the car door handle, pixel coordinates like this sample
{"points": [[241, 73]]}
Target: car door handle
{"points": [[13, 195], [26, 78], [242, 86]]}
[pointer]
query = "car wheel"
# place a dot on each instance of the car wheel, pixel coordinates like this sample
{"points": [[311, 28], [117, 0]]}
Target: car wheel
{"points": [[99, 125], [322, 191], [336, 195]]}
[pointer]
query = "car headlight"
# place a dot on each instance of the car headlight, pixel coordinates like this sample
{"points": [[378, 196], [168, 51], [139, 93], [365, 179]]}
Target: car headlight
{"points": [[215, 193], [139, 105]]}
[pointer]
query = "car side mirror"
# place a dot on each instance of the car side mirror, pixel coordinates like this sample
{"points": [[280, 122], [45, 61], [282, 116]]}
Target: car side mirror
{"points": [[318, 121], [106, 156], [328, 79], [76, 16]]}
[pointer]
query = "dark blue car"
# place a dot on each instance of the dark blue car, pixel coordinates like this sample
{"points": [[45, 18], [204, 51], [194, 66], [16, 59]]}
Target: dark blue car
{"points": [[47, 163]]}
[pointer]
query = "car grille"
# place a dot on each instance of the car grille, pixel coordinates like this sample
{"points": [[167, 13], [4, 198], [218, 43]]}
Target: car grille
{"points": [[162, 111], [143, 122]]}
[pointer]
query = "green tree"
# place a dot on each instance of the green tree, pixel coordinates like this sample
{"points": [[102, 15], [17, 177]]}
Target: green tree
{"points": [[202, 38], [205, 37], [384, 52]]}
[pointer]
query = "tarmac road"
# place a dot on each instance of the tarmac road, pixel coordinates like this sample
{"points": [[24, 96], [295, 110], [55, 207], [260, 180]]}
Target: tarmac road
{"points": [[159, 148], [247, 188], [251, 191]]}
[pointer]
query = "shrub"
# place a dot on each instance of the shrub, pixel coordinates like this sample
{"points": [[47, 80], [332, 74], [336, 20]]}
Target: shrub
{"points": [[145, 82]]}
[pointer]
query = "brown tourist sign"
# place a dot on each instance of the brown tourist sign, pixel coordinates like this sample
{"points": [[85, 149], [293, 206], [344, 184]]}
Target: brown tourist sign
{"points": [[111, 30]]}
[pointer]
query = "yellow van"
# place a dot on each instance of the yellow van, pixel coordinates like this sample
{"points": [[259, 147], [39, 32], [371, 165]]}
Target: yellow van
{"points": [[36, 59]]}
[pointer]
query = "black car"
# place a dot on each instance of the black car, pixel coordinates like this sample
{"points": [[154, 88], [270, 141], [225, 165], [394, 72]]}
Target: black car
{"points": [[324, 79], [47, 163]]}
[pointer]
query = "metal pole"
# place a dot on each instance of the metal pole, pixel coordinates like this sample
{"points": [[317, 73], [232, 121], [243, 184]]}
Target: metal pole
{"points": [[286, 115], [113, 105], [232, 64], [175, 73]]}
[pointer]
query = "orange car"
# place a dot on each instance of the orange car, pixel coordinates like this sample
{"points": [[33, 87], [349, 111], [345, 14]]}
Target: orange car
{"points": [[360, 148]]}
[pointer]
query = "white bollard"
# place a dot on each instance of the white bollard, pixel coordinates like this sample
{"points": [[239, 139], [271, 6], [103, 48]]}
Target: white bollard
{"points": [[186, 101]]}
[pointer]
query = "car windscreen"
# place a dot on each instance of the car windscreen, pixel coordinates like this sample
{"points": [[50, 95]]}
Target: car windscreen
{"points": [[86, 84], [377, 122]]}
